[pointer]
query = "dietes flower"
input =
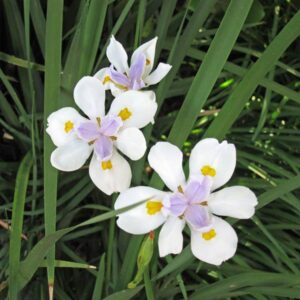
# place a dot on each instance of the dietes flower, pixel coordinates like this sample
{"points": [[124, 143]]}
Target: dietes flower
{"points": [[77, 137], [119, 77], [193, 202]]}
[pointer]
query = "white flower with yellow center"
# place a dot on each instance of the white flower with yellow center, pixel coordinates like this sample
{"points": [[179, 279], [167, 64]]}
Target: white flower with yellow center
{"points": [[119, 77], [191, 202], [76, 137]]}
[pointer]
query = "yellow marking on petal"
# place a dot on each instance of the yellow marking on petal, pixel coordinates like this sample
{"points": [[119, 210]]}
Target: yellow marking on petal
{"points": [[203, 203], [209, 235], [106, 165], [153, 207], [69, 125], [106, 79], [125, 114], [208, 171], [148, 62], [120, 86]]}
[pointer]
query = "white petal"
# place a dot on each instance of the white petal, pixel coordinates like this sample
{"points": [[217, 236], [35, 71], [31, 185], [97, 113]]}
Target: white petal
{"points": [[71, 156], [220, 156], [236, 201], [217, 249], [158, 74], [141, 106], [115, 91], [116, 179], [170, 239], [131, 142], [117, 55], [148, 49], [57, 129], [137, 220], [166, 160], [89, 95]]}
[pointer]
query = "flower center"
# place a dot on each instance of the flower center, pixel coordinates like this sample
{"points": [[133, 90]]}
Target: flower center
{"points": [[153, 207], [125, 114], [106, 165], [208, 171], [209, 235], [69, 125]]}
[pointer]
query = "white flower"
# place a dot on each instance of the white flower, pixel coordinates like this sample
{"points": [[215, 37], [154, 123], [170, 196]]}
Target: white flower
{"points": [[120, 77], [211, 165], [76, 137]]}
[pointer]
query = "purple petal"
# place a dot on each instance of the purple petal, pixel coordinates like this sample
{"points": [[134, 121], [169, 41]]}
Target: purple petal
{"points": [[198, 190], [178, 204], [110, 125], [118, 78], [198, 217], [88, 131], [137, 68], [103, 148]]}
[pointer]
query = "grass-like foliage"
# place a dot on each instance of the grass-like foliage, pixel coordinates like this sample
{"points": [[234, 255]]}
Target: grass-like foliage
{"points": [[235, 76]]}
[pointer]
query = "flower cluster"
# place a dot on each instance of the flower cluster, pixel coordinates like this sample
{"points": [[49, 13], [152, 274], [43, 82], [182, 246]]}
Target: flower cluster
{"points": [[105, 132]]}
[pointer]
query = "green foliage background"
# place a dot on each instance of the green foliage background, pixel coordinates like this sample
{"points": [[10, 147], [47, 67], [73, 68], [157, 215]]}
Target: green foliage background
{"points": [[235, 75]]}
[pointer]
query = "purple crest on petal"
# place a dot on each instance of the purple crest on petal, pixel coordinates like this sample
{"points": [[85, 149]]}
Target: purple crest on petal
{"points": [[110, 125], [137, 68], [198, 217], [198, 190], [136, 72], [88, 131], [119, 78], [103, 148], [178, 204]]}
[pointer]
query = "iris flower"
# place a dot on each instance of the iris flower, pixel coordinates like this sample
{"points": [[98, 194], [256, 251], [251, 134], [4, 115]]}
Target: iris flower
{"points": [[119, 77], [77, 137], [194, 202]]}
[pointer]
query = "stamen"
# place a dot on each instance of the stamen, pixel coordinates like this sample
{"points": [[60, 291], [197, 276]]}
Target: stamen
{"points": [[209, 235], [148, 62], [98, 121], [208, 171], [69, 125], [180, 189], [125, 114], [106, 79], [153, 207], [106, 165]]}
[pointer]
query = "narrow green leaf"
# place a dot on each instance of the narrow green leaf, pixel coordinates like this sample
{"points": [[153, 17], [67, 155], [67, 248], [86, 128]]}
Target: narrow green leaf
{"points": [[17, 224], [210, 69], [34, 259], [51, 96], [98, 287], [125, 294], [68, 264], [86, 43], [237, 100]]}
